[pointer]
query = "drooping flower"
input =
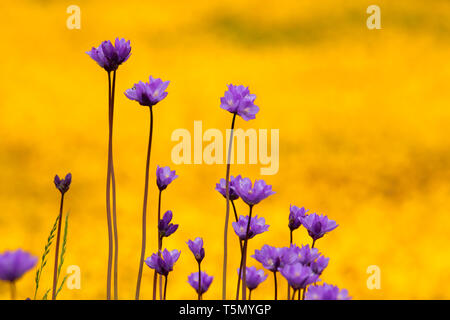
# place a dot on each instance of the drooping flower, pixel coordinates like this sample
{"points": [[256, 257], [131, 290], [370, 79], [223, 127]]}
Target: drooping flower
{"points": [[163, 264], [63, 184], [317, 225], [197, 249], [270, 257], [252, 195], [254, 277], [326, 292], [109, 56], [205, 281], [222, 188], [296, 215], [238, 100], [298, 275], [165, 227], [164, 177], [257, 226], [319, 265], [14, 264], [148, 93]]}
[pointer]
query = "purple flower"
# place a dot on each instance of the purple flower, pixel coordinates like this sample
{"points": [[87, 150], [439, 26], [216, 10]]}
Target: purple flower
{"points": [[205, 283], [222, 188], [148, 93], [296, 215], [305, 255], [164, 177], [13, 264], [252, 194], [163, 264], [257, 226], [326, 292], [109, 56], [270, 257], [63, 184], [165, 227], [238, 100], [319, 265], [197, 249], [298, 275], [317, 225], [254, 277]]}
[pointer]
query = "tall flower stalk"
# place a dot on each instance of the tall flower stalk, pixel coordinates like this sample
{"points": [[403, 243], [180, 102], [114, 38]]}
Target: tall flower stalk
{"points": [[198, 251], [238, 101], [63, 186], [147, 94], [110, 57], [251, 195]]}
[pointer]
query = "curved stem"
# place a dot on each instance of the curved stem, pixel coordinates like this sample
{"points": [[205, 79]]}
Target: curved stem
{"points": [[227, 214], [108, 194], [244, 257], [250, 294], [58, 237], [113, 184], [313, 243], [144, 211]]}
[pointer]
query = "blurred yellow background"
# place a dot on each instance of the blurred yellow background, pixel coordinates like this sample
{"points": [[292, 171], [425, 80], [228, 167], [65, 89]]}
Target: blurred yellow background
{"points": [[363, 118]]}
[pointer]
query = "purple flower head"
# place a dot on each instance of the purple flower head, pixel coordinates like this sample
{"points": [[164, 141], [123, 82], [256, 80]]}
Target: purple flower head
{"points": [[317, 225], [109, 56], [14, 264], [163, 264], [205, 283], [197, 249], [252, 194], [319, 265], [270, 257], [254, 277], [164, 177], [165, 227], [296, 215], [298, 275], [63, 184], [305, 255], [257, 226], [222, 188], [326, 292], [238, 100], [148, 93]]}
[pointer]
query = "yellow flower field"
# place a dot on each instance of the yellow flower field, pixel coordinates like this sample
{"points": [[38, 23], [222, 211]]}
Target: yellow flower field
{"points": [[364, 135]]}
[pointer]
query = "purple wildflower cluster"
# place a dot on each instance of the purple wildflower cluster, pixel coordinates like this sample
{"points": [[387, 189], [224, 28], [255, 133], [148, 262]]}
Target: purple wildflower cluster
{"points": [[301, 266]]}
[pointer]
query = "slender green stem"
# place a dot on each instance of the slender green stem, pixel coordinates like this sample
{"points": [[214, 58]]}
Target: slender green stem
{"points": [[304, 293], [227, 214], [13, 290], [113, 184], [313, 243], [58, 236], [144, 211], [250, 294], [293, 294], [108, 194], [299, 291], [244, 257]]}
